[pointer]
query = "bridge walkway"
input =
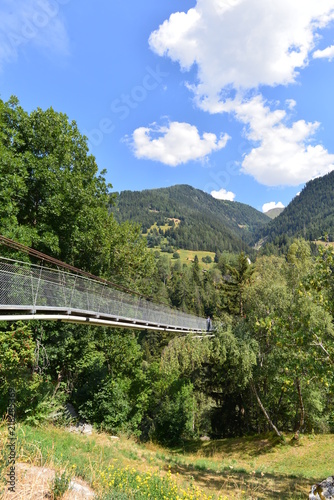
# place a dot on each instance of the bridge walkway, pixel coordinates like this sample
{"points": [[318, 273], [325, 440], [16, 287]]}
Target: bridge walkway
{"points": [[29, 291]]}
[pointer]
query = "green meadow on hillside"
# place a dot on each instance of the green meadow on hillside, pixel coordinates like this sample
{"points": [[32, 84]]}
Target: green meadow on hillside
{"points": [[188, 256]]}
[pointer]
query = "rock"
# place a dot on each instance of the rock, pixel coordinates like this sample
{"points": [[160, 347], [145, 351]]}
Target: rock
{"points": [[70, 411], [323, 490], [87, 429], [79, 426], [35, 483], [204, 438], [82, 428], [81, 490]]}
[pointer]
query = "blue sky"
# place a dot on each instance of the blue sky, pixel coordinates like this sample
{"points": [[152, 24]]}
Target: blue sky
{"points": [[233, 97]]}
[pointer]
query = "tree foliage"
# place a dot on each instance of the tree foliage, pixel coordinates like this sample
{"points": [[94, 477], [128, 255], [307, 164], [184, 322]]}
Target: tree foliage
{"points": [[267, 364], [53, 198]]}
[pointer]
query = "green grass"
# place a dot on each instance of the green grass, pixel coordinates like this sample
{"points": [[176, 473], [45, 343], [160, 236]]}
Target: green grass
{"points": [[324, 243], [167, 226], [187, 257], [246, 468], [309, 458], [164, 227]]}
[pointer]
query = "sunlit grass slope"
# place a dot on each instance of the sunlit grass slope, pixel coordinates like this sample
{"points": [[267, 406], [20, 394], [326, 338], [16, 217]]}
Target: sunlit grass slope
{"points": [[251, 468]]}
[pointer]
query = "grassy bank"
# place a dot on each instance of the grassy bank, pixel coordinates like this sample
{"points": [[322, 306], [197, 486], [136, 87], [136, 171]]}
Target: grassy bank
{"points": [[247, 468]]}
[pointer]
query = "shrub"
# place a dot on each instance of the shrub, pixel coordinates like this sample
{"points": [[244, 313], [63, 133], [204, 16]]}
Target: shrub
{"points": [[174, 419], [60, 485], [17, 371]]}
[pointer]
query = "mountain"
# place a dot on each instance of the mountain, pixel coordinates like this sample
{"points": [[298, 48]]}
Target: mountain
{"points": [[274, 212], [310, 214], [195, 220]]}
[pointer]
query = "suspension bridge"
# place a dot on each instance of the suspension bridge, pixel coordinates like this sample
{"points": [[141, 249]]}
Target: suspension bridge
{"points": [[36, 292]]}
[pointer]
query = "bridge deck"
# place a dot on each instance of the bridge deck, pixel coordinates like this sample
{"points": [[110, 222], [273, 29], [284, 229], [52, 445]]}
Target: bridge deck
{"points": [[35, 292]]}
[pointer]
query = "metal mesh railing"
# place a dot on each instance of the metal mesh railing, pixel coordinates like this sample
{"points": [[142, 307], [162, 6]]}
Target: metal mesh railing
{"points": [[24, 286]]}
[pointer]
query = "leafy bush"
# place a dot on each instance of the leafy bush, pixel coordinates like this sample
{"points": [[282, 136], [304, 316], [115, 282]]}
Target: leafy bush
{"points": [[174, 418], [17, 371], [60, 485], [167, 249]]}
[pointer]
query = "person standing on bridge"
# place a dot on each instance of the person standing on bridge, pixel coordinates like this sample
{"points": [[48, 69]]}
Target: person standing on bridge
{"points": [[208, 324]]}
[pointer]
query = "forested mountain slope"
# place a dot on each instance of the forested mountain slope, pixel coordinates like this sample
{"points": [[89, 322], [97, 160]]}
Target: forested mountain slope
{"points": [[205, 222], [310, 214]]}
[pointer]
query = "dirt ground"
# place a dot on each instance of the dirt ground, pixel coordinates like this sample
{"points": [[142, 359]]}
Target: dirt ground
{"points": [[34, 483]]}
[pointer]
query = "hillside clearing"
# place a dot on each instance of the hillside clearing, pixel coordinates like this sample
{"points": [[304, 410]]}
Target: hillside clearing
{"points": [[188, 256]]}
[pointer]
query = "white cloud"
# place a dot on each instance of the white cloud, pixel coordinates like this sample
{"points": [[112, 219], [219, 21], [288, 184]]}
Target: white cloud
{"points": [[270, 205], [242, 44], [327, 53], [283, 154], [222, 194], [291, 103], [238, 46], [34, 22], [175, 144]]}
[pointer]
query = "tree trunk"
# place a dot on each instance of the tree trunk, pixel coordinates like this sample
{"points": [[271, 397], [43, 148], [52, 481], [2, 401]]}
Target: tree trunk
{"points": [[270, 422], [59, 379], [302, 409]]}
